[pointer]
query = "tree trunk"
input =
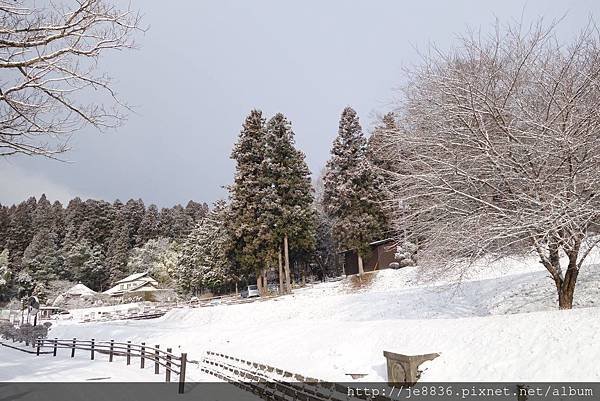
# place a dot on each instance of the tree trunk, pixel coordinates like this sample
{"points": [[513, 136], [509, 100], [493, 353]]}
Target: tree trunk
{"points": [[281, 287], [265, 283], [288, 282], [361, 270], [566, 288], [259, 282]]}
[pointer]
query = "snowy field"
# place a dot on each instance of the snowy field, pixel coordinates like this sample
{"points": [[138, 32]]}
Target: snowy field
{"points": [[500, 324]]}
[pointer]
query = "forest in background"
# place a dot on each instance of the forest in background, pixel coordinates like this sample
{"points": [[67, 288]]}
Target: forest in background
{"points": [[92, 241]]}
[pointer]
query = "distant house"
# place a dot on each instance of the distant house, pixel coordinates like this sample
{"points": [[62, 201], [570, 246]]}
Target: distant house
{"points": [[380, 256], [135, 284]]}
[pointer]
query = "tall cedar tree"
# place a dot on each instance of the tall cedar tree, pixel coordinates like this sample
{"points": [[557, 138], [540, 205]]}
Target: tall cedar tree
{"points": [[254, 246], [290, 197], [353, 195]]}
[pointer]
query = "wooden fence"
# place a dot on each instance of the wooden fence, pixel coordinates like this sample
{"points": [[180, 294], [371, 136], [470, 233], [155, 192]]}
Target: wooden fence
{"points": [[172, 363], [271, 383]]}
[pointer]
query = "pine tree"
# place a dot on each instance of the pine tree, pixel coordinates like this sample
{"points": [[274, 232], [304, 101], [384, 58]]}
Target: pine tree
{"points": [[254, 246], [353, 194], [289, 200]]}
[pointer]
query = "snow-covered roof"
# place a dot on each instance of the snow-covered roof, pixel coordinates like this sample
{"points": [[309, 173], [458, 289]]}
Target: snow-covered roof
{"points": [[146, 281], [132, 277], [80, 289]]}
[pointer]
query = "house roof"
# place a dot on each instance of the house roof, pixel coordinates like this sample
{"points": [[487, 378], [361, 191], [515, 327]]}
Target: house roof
{"points": [[116, 290], [374, 243], [132, 277], [80, 289], [145, 288]]}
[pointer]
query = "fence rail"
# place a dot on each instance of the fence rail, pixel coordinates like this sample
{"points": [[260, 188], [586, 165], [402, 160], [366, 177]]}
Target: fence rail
{"points": [[173, 364], [272, 383]]}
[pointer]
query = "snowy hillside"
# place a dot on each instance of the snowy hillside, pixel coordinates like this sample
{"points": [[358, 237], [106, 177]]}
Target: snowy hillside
{"points": [[495, 326]]}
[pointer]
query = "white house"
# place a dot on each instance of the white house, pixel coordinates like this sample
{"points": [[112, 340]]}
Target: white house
{"points": [[135, 283]]}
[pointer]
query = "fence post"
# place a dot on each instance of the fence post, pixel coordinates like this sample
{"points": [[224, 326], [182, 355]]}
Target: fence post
{"points": [[39, 343], [182, 373], [92, 350], [156, 356], [110, 351], [55, 346], [73, 348], [142, 355], [168, 369], [128, 352]]}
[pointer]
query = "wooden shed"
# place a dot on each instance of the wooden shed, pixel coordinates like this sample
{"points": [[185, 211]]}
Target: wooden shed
{"points": [[381, 256]]}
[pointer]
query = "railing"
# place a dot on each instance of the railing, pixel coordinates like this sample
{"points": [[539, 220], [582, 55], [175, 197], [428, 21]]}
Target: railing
{"points": [[272, 383], [172, 363]]}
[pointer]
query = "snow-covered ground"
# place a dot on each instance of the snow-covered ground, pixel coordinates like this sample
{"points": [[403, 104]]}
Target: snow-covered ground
{"points": [[500, 324]]}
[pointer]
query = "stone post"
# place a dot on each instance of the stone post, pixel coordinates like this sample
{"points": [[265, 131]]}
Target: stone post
{"points": [[403, 369]]}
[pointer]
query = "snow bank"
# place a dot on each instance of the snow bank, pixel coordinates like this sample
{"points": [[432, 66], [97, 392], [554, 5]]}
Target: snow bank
{"points": [[482, 328]]}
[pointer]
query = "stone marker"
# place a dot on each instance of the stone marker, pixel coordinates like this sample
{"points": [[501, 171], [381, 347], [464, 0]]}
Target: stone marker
{"points": [[404, 368]]}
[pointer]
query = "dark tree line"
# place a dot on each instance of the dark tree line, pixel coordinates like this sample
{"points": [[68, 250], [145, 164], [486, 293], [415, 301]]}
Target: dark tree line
{"points": [[88, 241]]}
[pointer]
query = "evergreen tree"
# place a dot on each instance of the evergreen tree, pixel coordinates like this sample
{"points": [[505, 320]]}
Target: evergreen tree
{"points": [[58, 221], [94, 272], [117, 253], [182, 223], [133, 213], [42, 216], [196, 211], [75, 257], [4, 225], [5, 276], [204, 261], [289, 200], [20, 232], [377, 151], [254, 247], [148, 226], [42, 257], [353, 195], [165, 222]]}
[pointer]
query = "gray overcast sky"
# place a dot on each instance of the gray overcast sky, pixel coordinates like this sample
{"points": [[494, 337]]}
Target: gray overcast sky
{"points": [[203, 65]]}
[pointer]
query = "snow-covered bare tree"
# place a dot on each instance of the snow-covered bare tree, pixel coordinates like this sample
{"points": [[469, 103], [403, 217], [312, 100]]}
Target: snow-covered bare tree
{"points": [[501, 146], [51, 85]]}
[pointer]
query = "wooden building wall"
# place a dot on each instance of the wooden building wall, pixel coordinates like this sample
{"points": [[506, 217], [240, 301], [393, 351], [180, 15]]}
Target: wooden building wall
{"points": [[378, 258]]}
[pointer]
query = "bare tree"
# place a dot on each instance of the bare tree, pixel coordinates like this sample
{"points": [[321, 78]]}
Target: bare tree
{"points": [[500, 145], [50, 85]]}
